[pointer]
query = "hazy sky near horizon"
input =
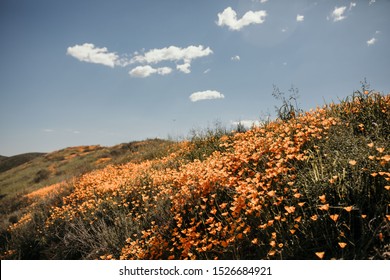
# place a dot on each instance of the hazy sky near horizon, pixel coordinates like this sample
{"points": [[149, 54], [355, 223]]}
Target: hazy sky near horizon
{"points": [[106, 72]]}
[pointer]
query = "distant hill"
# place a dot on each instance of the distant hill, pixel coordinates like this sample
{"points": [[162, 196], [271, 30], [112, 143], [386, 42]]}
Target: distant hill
{"points": [[27, 172], [7, 163]]}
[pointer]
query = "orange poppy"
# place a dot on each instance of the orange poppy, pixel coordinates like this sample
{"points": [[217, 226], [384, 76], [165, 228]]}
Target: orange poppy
{"points": [[289, 209], [334, 217], [348, 208], [352, 162], [324, 207], [320, 255]]}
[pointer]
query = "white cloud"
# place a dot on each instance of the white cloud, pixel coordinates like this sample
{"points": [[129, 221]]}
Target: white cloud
{"points": [[261, 1], [172, 53], [89, 53], [338, 13], [371, 2], [229, 18], [206, 71], [147, 70], [372, 41], [352, 5], [185, 68], [300, 17], [208, 94], [235, 58], [184, 56], [48, 130]]}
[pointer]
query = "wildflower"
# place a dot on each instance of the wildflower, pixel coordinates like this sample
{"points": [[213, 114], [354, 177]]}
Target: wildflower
{"points": [[352, 162], [324, 207], [342, 245], [334, 217], [320, 255], [348, 208], [380, 150]]}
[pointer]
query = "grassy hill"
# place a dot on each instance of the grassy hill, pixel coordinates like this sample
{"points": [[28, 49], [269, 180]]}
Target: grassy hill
{"points": [[7, 163], [28, 172], [311, 185]]}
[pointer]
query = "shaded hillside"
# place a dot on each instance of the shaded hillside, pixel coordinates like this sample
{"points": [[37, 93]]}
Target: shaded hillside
{"points": [[7, 163], [313, 185]]}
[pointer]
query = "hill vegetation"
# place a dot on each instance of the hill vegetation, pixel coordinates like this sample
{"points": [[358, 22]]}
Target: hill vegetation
{"points": [[7, 163], [309, 185]]}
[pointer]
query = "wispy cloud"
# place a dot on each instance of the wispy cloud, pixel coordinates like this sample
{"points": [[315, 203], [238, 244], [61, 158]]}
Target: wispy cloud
{"points": [[48, 130], [300, 18], [208, 94], [183, 56], [235, 58], [89, 53], [339, 13], [206, 71], [147, 70], [372, 41], [185, 68], [172, 53], [229, 18], [371, 2]]}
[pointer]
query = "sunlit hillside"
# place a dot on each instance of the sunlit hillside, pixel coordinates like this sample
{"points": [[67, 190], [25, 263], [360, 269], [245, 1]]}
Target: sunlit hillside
{"points": [[313, 185]]}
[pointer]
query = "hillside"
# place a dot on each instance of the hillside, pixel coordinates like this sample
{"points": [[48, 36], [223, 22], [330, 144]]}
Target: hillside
{"points": [[28, 172], [311, 185], [7, 163]]}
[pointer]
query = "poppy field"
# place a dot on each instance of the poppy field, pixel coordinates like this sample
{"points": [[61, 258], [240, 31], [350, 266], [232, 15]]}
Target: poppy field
{"points": [[315, 185]]}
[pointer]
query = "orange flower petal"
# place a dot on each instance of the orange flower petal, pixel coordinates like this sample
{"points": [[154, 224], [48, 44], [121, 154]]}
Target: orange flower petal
{"points": [[348, 208], [289, 209], [320, 255], [334, 217], [324, 207], [271, 193], [342, 245], [352, 162]]}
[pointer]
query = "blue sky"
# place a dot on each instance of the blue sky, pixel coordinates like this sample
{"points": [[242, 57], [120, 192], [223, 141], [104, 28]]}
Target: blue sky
{"points": [[107, 72]]}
